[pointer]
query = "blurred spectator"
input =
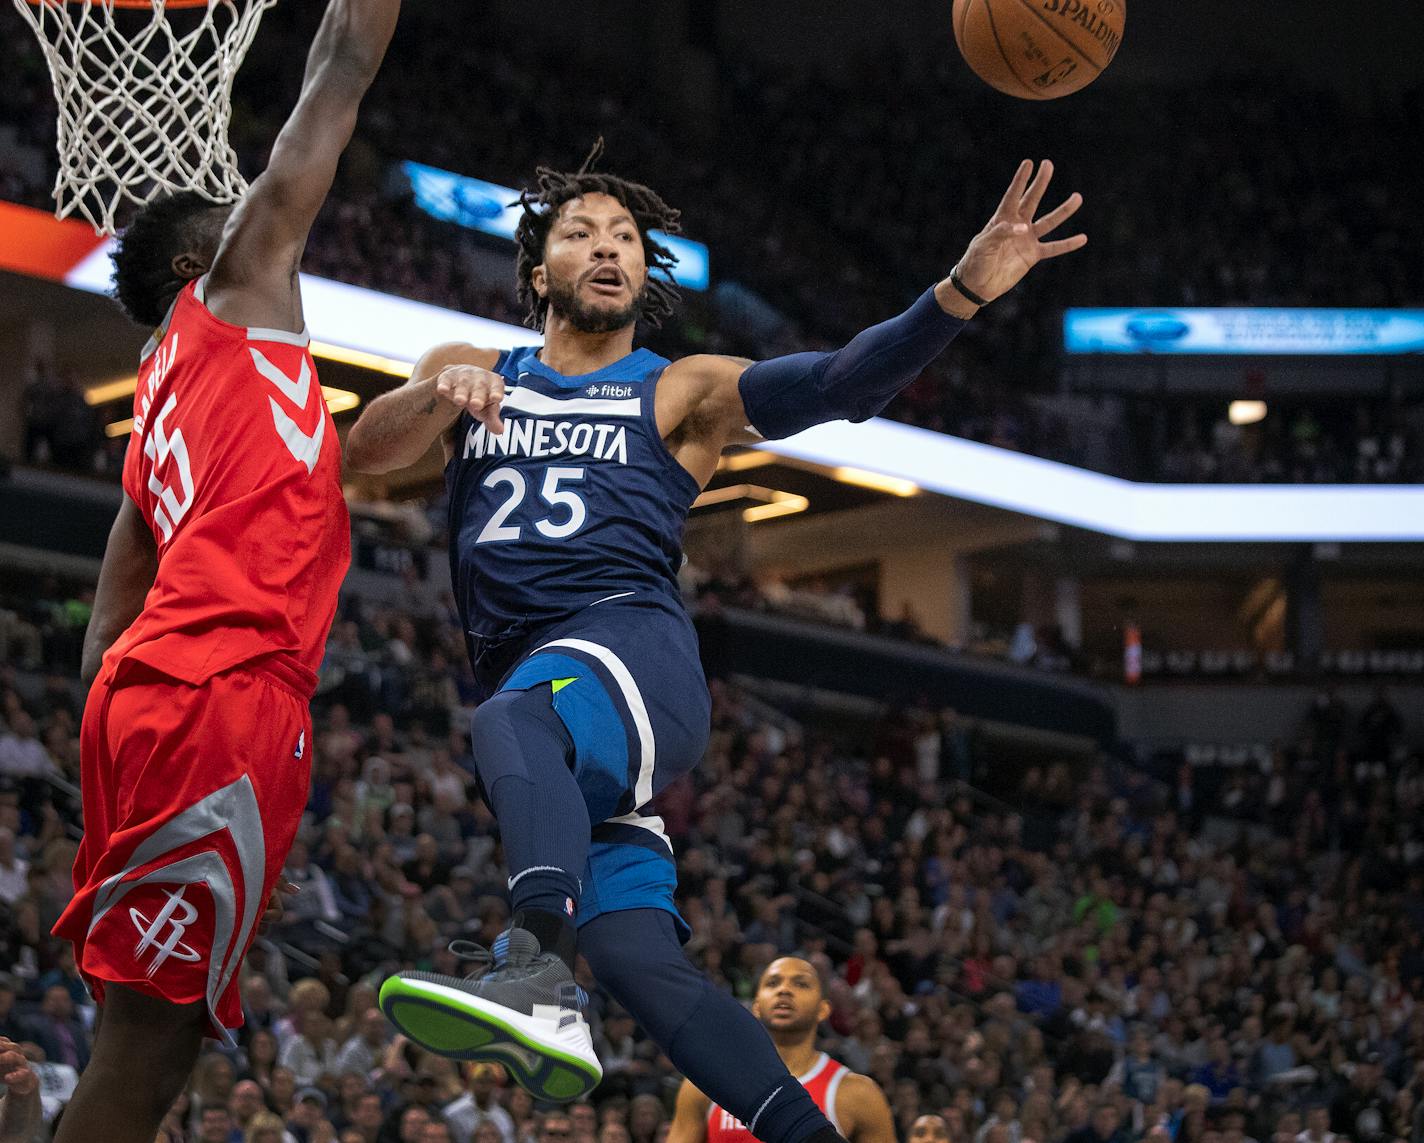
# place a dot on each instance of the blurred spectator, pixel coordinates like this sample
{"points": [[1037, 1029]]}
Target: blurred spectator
{"points": [[1099, 959], [814, 209], [58, 1031], [478, 1106]]}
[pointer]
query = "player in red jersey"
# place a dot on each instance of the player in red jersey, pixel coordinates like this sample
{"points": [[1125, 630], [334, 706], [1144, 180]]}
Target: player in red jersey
{"points": [[791, 1004], [218, 588]]}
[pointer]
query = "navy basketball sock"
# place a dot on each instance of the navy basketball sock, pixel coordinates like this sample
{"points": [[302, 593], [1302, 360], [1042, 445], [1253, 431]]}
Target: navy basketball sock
{"points": [[524, 756], [715, 1042]]}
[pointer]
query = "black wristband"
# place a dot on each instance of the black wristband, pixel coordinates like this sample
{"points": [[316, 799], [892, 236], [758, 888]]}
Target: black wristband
{"points": [[969, 295]]}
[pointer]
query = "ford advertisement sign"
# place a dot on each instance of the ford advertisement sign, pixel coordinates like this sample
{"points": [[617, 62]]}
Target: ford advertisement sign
{"points": [[1260, 332], [491, 209]]}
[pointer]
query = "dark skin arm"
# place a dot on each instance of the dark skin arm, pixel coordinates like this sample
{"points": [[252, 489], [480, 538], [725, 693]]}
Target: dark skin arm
{"points": [[863, 1111], [130, 563], [253, 279], [397, 427], [689, 1119]]}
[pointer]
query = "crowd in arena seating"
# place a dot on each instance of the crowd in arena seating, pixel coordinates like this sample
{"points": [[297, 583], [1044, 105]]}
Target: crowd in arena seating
{"points": [[855, 608], [1101, 958], [836, 200]]}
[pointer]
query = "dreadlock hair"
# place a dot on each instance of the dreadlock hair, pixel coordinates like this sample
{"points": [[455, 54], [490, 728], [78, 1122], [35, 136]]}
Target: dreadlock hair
{"points": [[144, 281], [552, 190]]}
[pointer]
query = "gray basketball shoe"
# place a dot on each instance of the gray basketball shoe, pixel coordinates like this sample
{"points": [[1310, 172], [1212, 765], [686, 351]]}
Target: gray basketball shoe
{"points": [[525, 1012]]}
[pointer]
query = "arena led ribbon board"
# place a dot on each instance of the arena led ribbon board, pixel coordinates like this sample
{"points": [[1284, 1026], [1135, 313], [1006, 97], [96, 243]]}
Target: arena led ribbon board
{"points": [[1048, 490], [1230, 332], [493, 209], [33, 242]]}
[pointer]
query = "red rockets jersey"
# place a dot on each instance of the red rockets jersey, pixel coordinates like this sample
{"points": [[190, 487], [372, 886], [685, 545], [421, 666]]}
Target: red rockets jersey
{"points": [[822, 1083], [235, 465]]}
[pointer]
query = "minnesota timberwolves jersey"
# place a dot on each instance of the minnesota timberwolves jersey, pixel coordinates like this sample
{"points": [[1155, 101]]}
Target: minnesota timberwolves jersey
{"points": [[576, 502]]}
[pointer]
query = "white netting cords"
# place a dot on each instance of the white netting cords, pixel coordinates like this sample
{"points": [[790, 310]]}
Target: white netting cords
{"points": [[144, 106]]}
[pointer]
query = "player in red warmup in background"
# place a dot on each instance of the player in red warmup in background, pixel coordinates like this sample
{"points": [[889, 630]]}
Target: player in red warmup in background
{"points": [[791, 1005], [218, 587]]}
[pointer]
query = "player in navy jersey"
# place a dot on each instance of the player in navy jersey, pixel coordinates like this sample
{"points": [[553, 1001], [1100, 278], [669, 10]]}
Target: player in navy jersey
{"points": [[571, 470]]}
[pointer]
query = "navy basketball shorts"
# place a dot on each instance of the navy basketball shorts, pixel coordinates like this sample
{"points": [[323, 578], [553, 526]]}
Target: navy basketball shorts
{"points": [[628, 684]]}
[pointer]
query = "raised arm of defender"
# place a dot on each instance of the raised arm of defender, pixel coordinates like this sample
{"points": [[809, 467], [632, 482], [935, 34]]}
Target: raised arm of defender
{"points": [[708, 403], [253, 280]]}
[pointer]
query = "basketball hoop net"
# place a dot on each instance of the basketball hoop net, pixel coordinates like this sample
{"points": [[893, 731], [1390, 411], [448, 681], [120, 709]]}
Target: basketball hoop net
{"points": [[144, 105]]}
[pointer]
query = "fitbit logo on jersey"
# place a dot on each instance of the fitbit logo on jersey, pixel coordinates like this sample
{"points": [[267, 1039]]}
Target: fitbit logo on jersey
{"points": [[528, 436], [606, 390]]}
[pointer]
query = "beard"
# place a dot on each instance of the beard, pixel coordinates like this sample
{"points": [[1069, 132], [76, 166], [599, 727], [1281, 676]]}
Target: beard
{"points": [[565, 301], [791, 1027]]}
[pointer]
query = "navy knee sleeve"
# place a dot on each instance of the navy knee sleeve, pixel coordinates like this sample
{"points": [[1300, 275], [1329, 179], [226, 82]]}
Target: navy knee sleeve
{"points": [[524, 755], [710, 1038], [636, 956]]}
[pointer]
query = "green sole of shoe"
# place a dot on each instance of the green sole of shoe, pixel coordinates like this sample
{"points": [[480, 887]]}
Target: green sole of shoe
{"points": [[445, 1025]]}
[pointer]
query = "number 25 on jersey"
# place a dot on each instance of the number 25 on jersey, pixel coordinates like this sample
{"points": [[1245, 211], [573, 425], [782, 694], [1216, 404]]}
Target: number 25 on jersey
{"points": [[560, 500], [165, 450]]}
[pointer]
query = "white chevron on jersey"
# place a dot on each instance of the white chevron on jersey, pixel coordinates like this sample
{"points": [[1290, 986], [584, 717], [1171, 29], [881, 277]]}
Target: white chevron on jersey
{"points": [[305, 447], [295, 391]]}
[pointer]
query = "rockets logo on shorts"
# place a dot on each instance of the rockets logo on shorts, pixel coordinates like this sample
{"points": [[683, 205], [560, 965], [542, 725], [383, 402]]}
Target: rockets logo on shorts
{"points": [[183, 907], [164, 934]]}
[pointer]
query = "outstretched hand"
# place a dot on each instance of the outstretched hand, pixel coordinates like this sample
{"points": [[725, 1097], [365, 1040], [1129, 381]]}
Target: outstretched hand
{"points": [[477, 391], [1012, 242]]}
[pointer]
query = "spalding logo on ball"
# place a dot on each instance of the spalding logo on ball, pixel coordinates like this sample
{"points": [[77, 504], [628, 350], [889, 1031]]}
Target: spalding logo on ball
{"points": [[1039, 49]]}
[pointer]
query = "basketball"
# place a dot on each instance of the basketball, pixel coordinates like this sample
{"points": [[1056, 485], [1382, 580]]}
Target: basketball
{"points": [[1039, 49]]}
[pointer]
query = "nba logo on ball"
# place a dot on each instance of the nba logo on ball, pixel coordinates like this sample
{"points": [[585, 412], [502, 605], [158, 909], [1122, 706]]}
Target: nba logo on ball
{"points": [[1039, 49]]}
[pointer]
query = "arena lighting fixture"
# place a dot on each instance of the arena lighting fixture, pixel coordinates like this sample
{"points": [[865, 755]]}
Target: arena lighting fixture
{"points": [[67, 251], [722, 495], [786, 504], [774, 502], [742, 461], [1048, 490], [337, 401], [361, 359], [863, 478], [110, 391], [860, 477], [402, 330], [1246, 412]]}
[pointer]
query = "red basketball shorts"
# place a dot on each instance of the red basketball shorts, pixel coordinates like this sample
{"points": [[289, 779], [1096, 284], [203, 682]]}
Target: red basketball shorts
{"points": [[192, 797]]}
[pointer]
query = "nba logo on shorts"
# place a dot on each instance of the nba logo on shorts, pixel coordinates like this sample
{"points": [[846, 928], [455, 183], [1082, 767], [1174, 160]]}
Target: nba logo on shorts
{"points": [[569, 906]]}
